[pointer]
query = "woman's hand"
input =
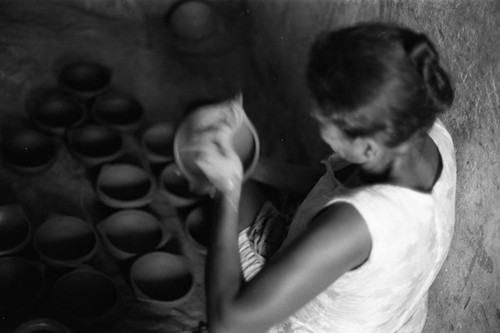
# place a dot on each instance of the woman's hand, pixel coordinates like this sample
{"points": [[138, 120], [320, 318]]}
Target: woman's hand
{"points": [[219, 162]]}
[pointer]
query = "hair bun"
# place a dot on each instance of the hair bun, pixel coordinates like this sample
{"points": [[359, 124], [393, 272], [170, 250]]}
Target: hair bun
{"points": [[424, 56]]}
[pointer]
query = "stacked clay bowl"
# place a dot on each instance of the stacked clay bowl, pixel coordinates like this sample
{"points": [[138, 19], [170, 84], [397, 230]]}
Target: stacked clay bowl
{"points": [[15, 229], [85, 295], [162, 280], [197, 226], [42, 325], [175, 187], [29, 151], [65, 241], [85, 79], [54, 111], [157, 142], [95, 144], [203, 28], [131, 232], [124, 186], [118, 110]]}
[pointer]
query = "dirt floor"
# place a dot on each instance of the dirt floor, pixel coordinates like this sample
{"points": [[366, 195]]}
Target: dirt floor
{"points": [[264, 59]]}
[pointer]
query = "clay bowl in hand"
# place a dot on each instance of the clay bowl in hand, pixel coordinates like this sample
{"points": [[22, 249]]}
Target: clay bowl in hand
{"points": [[124, 186], [245, 142], [86, 296], [118, 110], [54, 111], [158, 142], [95, 144], [85, 78], [29, 151], [131, 232], [162, 280], [65, 241], [15, 229], [22, 284]]}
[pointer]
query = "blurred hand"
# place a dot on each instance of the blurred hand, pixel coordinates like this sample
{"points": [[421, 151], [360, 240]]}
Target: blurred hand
{"points": [[219, 162]]}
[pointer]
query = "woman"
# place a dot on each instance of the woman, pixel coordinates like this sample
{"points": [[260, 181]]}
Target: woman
{"points": [[359, 256]]}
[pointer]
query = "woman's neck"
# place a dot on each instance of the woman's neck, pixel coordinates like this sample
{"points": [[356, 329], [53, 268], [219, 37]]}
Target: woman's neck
{"points": [[417, 169]]}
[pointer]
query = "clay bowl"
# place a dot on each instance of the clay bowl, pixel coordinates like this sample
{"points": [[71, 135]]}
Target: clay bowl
{"points": [[175, 187], [118, 110], [95, 144], [85, 78], [54, 111], [42, 325], [162, 280], [158, 142], [65, 241], [245, 142], [198, 28], [131, 232], [15, 229], [197, 227], [85, 295], [21, 284], [192, 20], [124, 186], [29, 151]]}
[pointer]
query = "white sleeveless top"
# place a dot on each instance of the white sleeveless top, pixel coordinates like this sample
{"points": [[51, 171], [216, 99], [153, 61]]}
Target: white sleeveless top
{"points": [[411, 233]]}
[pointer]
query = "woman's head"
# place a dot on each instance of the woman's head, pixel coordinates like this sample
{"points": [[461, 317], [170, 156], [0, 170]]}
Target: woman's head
{"points": [[378, 80]]}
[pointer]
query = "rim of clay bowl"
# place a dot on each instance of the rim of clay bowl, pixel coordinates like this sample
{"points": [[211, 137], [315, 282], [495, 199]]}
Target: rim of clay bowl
{"points": [[191, 177], [18, 151], [19, 269], [40, 325], [118, 109], [73, 287], [127, 222], [15, 243], [156, 263], [157, 141], [59, 231], [95, 137], [178, 194], [114, 176], [85, 78], [54, 111]]}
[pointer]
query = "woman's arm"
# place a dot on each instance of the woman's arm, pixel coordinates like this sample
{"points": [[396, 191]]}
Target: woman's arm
{"points": [[336, 241], [223, 268]]}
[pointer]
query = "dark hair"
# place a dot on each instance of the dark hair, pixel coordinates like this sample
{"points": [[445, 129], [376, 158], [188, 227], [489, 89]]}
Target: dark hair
{"points": [[378, 79]]}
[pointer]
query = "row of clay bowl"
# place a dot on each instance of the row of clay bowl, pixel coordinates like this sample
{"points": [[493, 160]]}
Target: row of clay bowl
{"points": [[84, 294], [68, 244], [162, 280]]}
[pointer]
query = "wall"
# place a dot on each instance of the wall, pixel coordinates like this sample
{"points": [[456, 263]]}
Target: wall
{"points": [[465, 297]]}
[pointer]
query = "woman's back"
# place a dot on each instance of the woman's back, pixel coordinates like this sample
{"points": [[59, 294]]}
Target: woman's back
{"points": [[411, 233]]}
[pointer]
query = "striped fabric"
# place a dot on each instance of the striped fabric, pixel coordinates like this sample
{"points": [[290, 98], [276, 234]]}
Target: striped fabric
{"points": [[251, 261]]}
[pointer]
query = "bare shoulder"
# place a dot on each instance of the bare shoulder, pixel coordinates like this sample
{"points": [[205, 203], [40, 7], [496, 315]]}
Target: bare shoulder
{"points": [[347, 232]]}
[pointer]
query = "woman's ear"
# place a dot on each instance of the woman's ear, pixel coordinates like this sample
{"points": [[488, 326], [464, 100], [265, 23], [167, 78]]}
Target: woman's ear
{"points": [[370, 149]]}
